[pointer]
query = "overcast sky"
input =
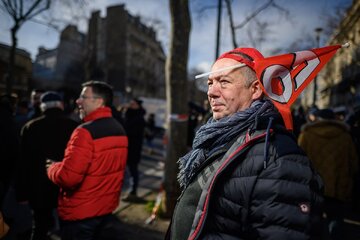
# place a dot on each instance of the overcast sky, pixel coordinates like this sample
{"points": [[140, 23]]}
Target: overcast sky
{"points": [[305, 16]]}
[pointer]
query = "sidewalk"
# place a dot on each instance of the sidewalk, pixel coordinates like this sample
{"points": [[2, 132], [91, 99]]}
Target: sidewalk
{"points": [[133, 215], [133, 218]]}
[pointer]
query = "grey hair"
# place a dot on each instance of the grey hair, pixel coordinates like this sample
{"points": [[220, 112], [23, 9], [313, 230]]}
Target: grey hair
{"points": [[249, 75], [52, 104]]}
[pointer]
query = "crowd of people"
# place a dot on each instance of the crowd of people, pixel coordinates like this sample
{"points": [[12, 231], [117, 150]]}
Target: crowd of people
{"points": [[331, 140], [67, 171], [246, 175]]}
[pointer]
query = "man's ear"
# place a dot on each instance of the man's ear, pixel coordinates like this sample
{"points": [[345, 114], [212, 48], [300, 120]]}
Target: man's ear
{"points": [[256, 90], [101, 102]]}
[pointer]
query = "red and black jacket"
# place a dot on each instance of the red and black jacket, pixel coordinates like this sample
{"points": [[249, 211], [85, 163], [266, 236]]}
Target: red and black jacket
{"points": [[92, 171]]}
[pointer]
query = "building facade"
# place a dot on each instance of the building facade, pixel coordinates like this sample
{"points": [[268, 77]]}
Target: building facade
{"points": [[339, 81], [124, 52], [22, 70], [62, 67]]}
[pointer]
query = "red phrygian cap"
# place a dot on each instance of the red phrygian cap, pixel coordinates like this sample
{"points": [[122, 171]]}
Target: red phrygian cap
{"points": [[284, 77]]}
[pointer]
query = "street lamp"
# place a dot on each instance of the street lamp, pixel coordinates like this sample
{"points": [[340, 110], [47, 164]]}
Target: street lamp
{"points": [[317, 32]]}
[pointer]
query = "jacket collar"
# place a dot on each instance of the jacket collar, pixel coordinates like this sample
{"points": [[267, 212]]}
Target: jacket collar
{"points": [[101, 112]]}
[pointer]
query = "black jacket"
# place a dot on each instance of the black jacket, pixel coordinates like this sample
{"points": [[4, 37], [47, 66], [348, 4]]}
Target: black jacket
{"points": [[247, 194], [42, 138], [9, 145], [134, 126]]}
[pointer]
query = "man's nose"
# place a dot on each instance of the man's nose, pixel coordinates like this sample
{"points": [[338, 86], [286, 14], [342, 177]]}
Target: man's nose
{"points": [[214, 90]]}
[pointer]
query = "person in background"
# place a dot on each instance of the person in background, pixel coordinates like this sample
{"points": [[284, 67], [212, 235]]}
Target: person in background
{"points": [[353, 121], [22, 114], [299, 119], [310, 116], [9, 144], [35, 110], [246, 177], [192, 123], [41, 138], [90, 175], [207, 114], [150, 129], [117, 115], [329, 145], [134, 124], [341, 113]]}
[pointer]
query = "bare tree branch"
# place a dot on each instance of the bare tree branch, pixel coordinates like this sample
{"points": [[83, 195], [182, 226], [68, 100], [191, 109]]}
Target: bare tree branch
{"points": [[155, 23], [31, 9], [71, 12], [32, 12], [232, 28], [202, 8], [332, 19], [21, 6], [16, 10], [8, 8], [281, 9], [48, 24], [257, 35], [15, 5], [254, 14], [205, 8], [21, 11]]}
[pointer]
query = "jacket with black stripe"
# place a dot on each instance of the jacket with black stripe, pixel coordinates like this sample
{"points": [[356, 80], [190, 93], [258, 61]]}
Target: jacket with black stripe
{"points": [[92, 171], [261, 187]]}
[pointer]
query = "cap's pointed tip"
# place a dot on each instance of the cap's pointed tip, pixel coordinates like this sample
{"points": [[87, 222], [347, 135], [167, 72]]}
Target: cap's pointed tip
{"points": [[345, 45]]}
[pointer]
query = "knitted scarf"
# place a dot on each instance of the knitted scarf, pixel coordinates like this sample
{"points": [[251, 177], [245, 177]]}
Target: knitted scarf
{"points": [[215, 134]]}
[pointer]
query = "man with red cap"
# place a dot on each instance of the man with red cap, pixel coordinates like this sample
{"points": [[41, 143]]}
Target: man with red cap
{"points": [[246, 177]]}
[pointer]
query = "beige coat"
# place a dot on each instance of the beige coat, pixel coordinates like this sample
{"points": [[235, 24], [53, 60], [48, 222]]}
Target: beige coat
{"points": [[329, 146]]}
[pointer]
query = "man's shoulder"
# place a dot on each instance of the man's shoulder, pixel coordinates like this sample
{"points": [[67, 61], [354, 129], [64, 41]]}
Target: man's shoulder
{"points": [[33, 123], [48, 119], [281, 140], [100, 122], [102, 127], [285, 142]]}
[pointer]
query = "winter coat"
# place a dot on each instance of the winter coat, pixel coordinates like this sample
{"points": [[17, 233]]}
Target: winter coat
{"points": [[329, 145], [9, 145], [42, 138], [134, 127], [261, 187], [92, 171]]}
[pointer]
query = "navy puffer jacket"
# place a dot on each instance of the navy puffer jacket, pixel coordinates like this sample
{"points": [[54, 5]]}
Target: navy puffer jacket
{"points": [[253, 192], [281, 201]]}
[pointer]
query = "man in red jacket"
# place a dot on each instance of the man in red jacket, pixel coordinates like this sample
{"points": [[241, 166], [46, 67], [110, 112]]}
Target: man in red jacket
{"points": [[92, 171]]}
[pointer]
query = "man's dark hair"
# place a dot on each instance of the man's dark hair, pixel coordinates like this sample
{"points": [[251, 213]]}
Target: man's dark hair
{"points": [[101, 89]]}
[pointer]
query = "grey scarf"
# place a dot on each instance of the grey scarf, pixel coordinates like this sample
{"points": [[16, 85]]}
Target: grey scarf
{"points": [[215, 134]]}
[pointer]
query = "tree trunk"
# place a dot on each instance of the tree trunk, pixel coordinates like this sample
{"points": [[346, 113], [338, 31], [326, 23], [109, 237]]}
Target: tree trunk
{"points": [[218, 29], [176, 93], [11, 64]]}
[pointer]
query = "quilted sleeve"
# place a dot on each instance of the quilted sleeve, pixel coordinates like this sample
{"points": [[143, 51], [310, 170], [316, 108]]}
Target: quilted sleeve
{"points": [[287, 197], [70, 172]]}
